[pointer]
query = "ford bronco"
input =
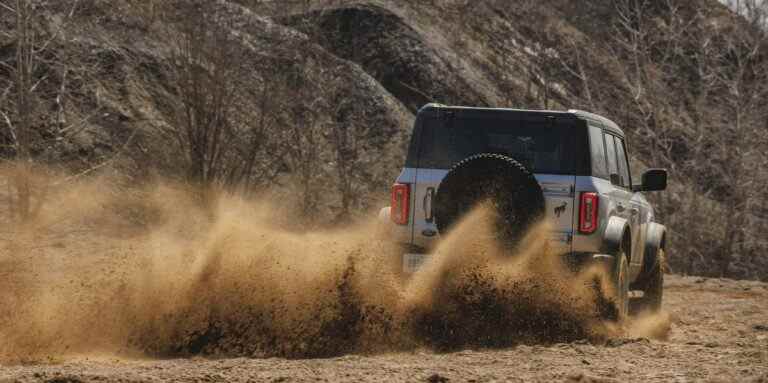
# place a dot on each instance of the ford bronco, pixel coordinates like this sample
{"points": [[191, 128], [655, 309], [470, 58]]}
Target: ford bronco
{"points": [[571, 168]]}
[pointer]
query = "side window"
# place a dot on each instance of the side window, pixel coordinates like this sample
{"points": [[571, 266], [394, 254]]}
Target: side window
{"points": [[613, 167], [623, 163], [597, 149]]}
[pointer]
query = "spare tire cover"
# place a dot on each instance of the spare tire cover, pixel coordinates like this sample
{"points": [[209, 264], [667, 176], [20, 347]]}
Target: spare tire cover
{"points": [[507, 185]]}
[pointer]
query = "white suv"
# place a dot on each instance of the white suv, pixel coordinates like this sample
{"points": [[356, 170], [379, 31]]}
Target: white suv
{"points": [[569, 167]]}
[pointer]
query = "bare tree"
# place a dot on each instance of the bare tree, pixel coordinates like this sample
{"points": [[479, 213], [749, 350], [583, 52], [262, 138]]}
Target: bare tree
{"points": [[346, 144], [19, 102], [19, 123], [313, 122], [754, 11], [742, 78], [305, 141], [206, 81], [228, 141], [260, 148], [718, 70]]}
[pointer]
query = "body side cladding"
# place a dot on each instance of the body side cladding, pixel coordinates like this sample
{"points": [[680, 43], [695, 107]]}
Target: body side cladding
{"points": [[614, 233]]}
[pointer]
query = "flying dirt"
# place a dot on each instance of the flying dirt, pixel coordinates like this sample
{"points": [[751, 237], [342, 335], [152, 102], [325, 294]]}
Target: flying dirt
{"points": [[228, 280], [163, 272]]}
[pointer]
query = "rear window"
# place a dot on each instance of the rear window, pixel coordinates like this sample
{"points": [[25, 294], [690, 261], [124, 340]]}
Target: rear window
{"points": [[541, 146]]}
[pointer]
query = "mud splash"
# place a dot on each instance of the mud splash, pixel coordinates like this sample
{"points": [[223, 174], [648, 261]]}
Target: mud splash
{"points": [[477, 294], [149, 272]]}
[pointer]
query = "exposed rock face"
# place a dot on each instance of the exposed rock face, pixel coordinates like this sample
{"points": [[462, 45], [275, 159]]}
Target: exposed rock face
{"points": [[351, 74]]}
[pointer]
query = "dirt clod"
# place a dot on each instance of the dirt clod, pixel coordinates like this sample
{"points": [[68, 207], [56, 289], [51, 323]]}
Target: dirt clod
{"points": [[66, 379], [583, 378], [437, 378]]}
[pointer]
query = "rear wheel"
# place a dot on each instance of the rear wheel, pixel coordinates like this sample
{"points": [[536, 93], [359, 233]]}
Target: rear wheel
{"points": [[621, 286], [613, 299], [652, 286]]}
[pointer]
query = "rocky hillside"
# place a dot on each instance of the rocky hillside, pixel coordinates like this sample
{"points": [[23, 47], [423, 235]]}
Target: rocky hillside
{"points": [[317, 96]]}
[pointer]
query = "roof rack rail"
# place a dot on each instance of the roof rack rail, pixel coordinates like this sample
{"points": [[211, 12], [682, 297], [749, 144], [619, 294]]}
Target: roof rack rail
{"points": [[597, 117]]}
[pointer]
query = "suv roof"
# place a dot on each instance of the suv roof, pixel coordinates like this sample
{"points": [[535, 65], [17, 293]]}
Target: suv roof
{"points": [[572, 113], [607, 124]]}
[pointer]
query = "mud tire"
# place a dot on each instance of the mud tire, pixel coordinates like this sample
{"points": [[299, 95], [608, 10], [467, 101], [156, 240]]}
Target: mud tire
{"points": [[652, 286], [621, 286], [612, 300], [511, 189]]}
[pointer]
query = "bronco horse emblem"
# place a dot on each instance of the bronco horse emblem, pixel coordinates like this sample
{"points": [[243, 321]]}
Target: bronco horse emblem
{"points": [[561, 209]]}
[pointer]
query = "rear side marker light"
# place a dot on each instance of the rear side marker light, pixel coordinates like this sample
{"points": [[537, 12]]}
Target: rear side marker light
{"points": [[400, 203], [588, 212]]}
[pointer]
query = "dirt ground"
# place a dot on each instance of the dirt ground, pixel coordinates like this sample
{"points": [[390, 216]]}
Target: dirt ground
{"points": [[719, 333]]}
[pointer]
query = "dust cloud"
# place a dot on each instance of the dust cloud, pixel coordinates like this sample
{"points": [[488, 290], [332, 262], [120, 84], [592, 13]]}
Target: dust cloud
{"points": [[155, 272]]}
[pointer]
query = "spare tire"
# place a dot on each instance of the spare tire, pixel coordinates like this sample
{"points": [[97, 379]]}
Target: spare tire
{"points": [[507, 185]]}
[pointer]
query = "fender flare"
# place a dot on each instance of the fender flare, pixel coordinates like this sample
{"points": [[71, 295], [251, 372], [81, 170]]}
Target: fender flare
{"points": [[614, 233], [654, 239]]}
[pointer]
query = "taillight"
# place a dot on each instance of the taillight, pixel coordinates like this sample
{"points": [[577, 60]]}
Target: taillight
{"points": [[588, 213], [399, 207]]}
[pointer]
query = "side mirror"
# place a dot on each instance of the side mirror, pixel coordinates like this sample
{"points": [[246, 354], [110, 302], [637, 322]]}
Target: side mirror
{"points": [[653, 180]]}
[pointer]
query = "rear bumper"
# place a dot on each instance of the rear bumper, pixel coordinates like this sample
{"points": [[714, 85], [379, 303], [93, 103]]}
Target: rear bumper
{"points": [[577, 261], [559, 242], [413, 258]]}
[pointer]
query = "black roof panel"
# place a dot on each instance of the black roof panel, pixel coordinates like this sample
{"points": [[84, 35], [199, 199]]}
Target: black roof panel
{"points": [[528, 113]]}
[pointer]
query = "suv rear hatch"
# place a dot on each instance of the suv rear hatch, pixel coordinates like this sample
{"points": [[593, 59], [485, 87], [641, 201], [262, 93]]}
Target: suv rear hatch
{"points": [[550, 144]]}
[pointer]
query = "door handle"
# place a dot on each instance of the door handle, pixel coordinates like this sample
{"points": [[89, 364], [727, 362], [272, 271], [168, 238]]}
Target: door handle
{"points": [[427, 205]]}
